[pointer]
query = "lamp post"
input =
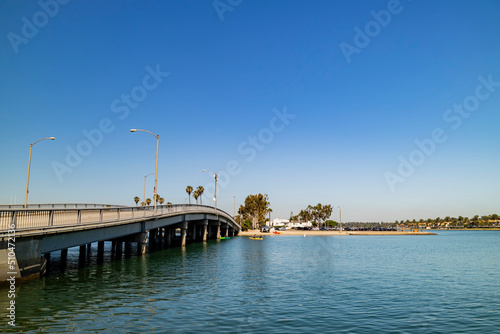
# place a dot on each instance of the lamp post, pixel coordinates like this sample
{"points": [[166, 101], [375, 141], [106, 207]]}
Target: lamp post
{"points": [[29, 167], [234, 208], [340, 219], [156, 168], [216, 177], [144, 196]]}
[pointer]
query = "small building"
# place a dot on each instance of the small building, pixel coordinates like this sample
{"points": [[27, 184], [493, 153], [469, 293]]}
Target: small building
{"points": [[277, 222]]}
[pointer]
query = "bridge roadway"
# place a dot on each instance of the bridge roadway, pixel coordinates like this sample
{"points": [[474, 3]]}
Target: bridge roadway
{"points": [[27, 234]]}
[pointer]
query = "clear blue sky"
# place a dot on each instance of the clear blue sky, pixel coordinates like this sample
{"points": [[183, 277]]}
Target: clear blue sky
{"points": [[86, 64]]}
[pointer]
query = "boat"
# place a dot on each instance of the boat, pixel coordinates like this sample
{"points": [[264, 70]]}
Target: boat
{"points": [[259, 238], [223, 238]]}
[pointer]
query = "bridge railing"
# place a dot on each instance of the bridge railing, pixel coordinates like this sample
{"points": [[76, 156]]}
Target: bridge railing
{"points": [[43, 218]]}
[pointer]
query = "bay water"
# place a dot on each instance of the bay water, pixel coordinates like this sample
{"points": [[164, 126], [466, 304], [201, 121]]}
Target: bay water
{"points": [[444, 283]]}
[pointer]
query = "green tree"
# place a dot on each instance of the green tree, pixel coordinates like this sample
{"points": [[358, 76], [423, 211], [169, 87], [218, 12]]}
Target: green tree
{"points": [[189, 190], [246, 225], [196, 194], [136, 200], [200, 193], [162, 200], [331, 223], [148, 201], [256, 208]]}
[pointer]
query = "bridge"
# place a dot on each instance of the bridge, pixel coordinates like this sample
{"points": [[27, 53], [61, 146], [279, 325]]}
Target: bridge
{"points": [[29, 235]]}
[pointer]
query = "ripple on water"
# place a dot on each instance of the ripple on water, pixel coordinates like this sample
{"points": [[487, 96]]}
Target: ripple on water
{"points": [[362, 284]]}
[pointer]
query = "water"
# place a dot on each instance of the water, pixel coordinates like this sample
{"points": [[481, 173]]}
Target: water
{"points": [[356, 284]]}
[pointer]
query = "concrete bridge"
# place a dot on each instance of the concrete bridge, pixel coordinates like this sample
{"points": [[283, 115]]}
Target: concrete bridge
{"points": [[28, 236]]}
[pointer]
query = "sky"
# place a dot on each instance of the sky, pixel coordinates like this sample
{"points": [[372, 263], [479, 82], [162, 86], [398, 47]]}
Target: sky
{"points": [[387, 109]]}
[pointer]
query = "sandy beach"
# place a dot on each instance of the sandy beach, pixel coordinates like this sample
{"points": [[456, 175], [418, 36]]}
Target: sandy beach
{"points": [[326, 233]]}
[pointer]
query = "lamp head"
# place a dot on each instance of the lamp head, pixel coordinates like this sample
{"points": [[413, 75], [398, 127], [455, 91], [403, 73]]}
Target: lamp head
{"points": [[52, 138], [204, 170], [133, 130]]}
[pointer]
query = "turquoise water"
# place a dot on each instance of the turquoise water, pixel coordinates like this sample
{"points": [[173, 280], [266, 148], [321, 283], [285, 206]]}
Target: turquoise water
{"points": [[448, 283]]}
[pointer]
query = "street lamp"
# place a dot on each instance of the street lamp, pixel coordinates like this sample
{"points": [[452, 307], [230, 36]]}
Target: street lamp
{"points": [[144, 197], [29, 166], [234, 197], [156, 168], [216, 177]]}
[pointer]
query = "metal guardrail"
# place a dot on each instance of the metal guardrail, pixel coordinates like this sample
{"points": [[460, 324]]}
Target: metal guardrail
{"points": [[43, 218], [59, 206]]}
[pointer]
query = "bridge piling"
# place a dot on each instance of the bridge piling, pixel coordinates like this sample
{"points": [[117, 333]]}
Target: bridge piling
{"points": [[64, 254], [142, 239], [184, 227], [204, 233]]}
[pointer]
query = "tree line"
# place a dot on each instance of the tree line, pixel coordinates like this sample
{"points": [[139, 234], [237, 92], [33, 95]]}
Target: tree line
{"points": [[159, 199], [318, 214], [457, 222]]}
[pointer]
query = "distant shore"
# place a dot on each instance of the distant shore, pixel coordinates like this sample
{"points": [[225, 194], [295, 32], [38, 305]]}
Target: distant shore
{"points": [[301, 233]]}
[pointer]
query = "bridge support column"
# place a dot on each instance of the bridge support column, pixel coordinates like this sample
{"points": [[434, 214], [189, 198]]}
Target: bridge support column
{"points": [[184, 227], [119, 248], [168, 236], [83, 251], [195, 237], [64, 254], [28, 262], [142, 239], [204, 230], [100, 248], [217, 236]]}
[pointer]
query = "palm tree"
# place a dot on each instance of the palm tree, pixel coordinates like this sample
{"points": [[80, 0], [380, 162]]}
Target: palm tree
{"points": [[189, 190], [200, 193], [161, 200], [196, 194], [148, 201], [136, 200]]}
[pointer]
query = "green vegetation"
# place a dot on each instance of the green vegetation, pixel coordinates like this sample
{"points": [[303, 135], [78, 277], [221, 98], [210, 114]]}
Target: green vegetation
{"points": [[491, 221], [136, 200], [200, 191], [255, 210], [315, 213], [189, 190]]}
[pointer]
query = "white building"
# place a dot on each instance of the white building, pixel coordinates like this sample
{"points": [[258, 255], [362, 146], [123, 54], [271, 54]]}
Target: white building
{"points": [[277, 222]]}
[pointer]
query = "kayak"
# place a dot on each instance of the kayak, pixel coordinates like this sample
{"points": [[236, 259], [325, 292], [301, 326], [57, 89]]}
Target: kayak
{"points": [[224, 238], [255, 238]]}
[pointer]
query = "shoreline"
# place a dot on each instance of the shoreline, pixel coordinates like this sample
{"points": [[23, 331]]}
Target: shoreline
{"points": [[328, 233]]}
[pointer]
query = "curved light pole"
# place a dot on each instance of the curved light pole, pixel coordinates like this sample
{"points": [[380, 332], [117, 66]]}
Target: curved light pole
{"points": [[234, 197], [216, 178], [156, 168], [29, 166], [144, 197]]}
